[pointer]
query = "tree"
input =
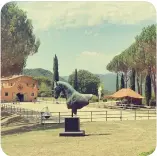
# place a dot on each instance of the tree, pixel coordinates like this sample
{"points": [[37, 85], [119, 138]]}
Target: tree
{"points": [[148, 88], [18, 39], [44, 86], [87, 82], [55, 69], [132, 79], [117, 83], [122, 82], [147, 39], [44, 90], [75, 80]]}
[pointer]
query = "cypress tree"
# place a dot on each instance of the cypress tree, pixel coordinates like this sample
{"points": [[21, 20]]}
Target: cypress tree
{"points": [[148, 89], [117, 83], [75, 80], [55, 72], [122, 82], [132, 80], [55, 69]]}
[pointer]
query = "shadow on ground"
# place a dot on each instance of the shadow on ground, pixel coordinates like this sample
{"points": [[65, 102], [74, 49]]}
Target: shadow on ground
{"points": [[29, 127], [95, 134]]}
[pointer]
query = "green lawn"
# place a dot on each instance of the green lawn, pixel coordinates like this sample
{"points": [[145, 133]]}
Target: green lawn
{"points": [[114, 138]]}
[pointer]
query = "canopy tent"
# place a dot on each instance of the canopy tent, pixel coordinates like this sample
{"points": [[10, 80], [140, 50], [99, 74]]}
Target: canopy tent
{"points": [[125, 92]]}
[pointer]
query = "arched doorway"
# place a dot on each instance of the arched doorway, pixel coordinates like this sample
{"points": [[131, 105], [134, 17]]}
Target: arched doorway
{"points": [[20, 97]]}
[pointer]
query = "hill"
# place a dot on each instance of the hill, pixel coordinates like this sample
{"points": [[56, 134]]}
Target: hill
{"points": [[39, 72], [109, 81]]}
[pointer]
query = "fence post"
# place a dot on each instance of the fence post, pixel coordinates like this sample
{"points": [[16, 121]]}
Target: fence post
{"points": [[59, 117], [148, 114], [20, 112], [121, 114], [27, 113], [135, 114], [91, 116], [106, 115], [24, 112], [11, 109]]}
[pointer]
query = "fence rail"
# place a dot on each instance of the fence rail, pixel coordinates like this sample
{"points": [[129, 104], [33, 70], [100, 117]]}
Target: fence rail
{"points": [[26, 113], [85, 116]]}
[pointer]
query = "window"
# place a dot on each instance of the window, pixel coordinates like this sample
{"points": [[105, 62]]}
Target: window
{"points": [[6, 93], [32, 94], [11, 84]]}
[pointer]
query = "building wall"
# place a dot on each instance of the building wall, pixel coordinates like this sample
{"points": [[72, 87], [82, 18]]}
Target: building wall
{"points": [[23, 84]]}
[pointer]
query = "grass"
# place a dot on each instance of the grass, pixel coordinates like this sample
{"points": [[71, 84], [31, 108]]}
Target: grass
{"points": [[147, 153], [103, 138]]}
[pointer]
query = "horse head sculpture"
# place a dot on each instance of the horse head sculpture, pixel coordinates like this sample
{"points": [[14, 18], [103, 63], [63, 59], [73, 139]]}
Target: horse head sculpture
{"points": [[75, 100]]}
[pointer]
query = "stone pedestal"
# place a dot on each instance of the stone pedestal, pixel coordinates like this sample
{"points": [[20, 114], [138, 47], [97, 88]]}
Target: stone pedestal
{"points": [[72, 127]]}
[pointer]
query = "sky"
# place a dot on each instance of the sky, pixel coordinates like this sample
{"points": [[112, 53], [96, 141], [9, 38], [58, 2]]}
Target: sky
{"points": [[85, 35]]}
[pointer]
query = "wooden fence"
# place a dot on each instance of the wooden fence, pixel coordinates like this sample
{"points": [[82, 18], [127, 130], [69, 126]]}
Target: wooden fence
{"points": [[85, 116], [92, 116], [27, 113]]}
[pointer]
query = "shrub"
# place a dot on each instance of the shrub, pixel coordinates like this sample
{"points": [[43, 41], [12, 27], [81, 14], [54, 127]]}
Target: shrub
{"points": [[104, 100], [152, 102], [94, 99]]}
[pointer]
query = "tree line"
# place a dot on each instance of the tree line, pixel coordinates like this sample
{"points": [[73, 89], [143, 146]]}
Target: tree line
{"points": [[138, 63], [83, 81]]}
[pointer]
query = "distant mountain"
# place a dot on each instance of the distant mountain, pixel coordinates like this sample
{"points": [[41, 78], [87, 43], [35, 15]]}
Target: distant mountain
{"points": [[65, 77], [109, 81], [39, 72]]}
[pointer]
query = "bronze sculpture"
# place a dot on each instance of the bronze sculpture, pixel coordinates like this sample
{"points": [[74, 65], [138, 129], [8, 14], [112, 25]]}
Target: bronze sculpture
{"points": [[75, 100]]}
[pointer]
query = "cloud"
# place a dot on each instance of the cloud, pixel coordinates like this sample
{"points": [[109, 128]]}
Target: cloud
{"points": [[79, 14], [89, 53], [93, 61]]}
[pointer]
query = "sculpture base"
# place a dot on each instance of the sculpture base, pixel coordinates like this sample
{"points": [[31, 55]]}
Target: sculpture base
{"points": [[72, 127], [79, 133]]}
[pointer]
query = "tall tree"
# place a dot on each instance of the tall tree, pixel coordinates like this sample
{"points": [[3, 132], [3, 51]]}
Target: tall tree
{"points": [[132, 79], [148, 88], [147, 41], [55, 69], [122, 82], [17, 38], [75, 80], [87, 82], [117, 83]]}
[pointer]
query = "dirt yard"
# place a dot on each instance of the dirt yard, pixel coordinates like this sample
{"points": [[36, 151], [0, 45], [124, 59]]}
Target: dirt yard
{"points": [[112, 138]]}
